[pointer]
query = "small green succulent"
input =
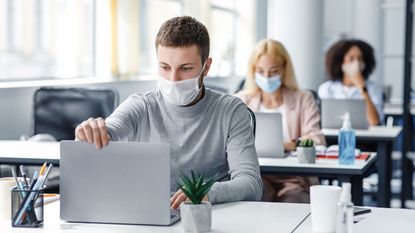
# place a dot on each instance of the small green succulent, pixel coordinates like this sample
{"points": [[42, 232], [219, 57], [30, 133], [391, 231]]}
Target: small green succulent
{"points": [[305, 143], [195, 187]]}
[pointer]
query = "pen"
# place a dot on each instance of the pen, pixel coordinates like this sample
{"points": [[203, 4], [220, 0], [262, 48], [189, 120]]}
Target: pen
{"points": [[18, 184], [15, 178], [24, 176], [34, 178]]}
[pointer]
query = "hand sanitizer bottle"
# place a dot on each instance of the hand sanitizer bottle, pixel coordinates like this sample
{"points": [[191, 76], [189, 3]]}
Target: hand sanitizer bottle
{"points": [[345, 211], [347, 142]]}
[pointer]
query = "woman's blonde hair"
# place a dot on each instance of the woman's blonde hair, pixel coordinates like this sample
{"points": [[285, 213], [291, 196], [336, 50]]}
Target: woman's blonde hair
{"points": [[277, 51]]}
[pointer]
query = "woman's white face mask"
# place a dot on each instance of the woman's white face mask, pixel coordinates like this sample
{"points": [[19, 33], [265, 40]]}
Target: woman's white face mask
{"points": [[180, 93], [353, 68]]}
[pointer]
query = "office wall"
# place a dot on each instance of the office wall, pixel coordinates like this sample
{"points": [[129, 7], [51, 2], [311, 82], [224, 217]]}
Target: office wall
{"points": [[16, 103]]}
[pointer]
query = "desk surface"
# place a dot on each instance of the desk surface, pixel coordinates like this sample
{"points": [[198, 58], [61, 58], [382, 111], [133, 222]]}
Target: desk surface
{"points": [[24, 152], [374, 132], [395, 109], [237, 217], [322, 166], [231, 217], [381, 220]]}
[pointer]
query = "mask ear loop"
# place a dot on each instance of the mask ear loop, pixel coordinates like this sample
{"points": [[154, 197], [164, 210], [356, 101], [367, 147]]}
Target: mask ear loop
{"points": [[199, 76], [203, 69]]}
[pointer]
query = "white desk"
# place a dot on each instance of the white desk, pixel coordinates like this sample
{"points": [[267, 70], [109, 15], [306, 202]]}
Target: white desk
{"points": [[20, 152], [395, 109], [381, 220], [382, 138], [237, 217], [373, 133], [231, 217], [32, 153], [322, 168]]}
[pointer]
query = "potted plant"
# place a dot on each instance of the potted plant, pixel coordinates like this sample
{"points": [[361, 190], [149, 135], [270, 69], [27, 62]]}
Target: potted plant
{"points": [[196, 214], [306, 152]]}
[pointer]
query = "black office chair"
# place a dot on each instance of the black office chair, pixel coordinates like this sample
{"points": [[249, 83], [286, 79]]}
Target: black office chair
{"points": [[317, 100], [240, 86], [57, 111], [252, 120]]}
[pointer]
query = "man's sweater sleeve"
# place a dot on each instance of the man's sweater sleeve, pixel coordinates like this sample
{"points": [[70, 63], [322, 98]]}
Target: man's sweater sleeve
{"points": [[245, 178], [122, 124]]}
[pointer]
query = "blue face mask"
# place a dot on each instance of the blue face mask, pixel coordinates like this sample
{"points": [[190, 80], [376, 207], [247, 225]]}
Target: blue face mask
{"points": [[268, 85]]}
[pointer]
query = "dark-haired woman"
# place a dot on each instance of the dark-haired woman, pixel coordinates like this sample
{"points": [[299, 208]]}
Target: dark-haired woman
{"points": [[348, 66]]}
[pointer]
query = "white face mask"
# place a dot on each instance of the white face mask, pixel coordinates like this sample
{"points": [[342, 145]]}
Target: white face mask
{"points": [[352, 68], [180, 93]]}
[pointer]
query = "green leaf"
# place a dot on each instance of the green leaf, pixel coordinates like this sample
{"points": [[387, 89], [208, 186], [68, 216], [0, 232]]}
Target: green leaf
{"points": [[195, 187]]}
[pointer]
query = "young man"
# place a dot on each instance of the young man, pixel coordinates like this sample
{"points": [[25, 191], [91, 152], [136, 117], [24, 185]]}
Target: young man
{"points": [[208, 132]]}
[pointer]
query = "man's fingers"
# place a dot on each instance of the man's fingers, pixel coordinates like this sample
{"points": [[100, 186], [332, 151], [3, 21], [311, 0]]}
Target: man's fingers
{"points": [[174, 197], [87, 131], [95, 133], [103, 131], [79, 133], [179, 200]]}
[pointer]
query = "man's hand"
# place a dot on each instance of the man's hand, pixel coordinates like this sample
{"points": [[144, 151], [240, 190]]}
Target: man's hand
{"points": [[93, 131], [179, 197]]}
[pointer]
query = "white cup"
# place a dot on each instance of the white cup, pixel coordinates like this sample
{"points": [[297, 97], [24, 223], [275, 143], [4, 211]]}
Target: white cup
{"points": [[6, 184], [323, 202]]}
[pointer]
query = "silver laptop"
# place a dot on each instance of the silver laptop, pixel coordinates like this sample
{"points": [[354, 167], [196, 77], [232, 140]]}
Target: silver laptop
{"points": [[333, 110], [268, 136], [124, 182]]}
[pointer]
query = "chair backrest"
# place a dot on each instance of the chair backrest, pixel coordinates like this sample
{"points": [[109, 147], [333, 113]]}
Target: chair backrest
{"points": [[240, 86], [57, 111], [317, 100], [252, 120]]}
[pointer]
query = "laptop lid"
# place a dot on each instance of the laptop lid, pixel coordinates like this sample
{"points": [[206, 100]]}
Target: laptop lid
{"points": [[268, 137], [124, 182], [332, 111]]}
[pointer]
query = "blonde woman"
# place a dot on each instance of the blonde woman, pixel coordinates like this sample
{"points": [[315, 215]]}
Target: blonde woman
{"points": [[271, 86]]}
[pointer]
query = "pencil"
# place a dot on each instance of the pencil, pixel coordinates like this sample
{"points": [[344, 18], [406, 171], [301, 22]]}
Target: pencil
{"points": [[42, 169]]}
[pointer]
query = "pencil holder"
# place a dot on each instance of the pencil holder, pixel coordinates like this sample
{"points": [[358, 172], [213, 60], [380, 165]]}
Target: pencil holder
{"points": [[27, 207]]}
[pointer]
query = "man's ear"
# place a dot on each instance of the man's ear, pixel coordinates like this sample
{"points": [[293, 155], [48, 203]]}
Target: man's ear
{"points": [[207, 66]]}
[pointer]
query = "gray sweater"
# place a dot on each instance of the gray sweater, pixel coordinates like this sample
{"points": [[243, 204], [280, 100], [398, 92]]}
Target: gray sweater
{"points": [[212, 136]]}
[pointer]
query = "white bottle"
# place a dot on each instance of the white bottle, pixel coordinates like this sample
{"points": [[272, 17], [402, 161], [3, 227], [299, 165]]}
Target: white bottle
{"points": [[345, 210]]}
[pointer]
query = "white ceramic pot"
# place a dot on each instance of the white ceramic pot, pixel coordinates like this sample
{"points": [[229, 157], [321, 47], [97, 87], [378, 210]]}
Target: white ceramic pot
{"points": [[196, 218], [306, 154]]}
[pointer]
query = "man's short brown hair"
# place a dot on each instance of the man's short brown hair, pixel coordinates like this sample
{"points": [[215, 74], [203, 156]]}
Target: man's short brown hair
{"points": [[184, 31]]}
